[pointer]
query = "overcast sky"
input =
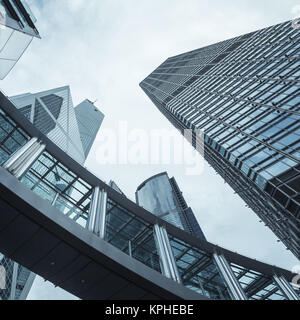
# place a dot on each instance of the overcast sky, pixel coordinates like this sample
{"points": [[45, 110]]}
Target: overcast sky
{"points": [[103, 49]]}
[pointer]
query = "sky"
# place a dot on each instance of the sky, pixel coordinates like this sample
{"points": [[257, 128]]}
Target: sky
{"points": [[103, 49]]}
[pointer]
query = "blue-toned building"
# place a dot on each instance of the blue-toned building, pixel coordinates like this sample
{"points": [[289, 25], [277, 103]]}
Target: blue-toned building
{"points": [[53, 113], [242, 96], [74, 131], [89, 120], [162, 196], [17, 30]]}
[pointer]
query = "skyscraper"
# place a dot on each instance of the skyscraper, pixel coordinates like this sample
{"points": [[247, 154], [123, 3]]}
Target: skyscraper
{"points": [[17, 30], [89, 120], [242, 94], [52, 112], [162, 196]]}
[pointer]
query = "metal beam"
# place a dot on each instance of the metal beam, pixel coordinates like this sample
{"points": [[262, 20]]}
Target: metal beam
{"points": [[170, 256], [93, 209], [162, 253], [286, 288], [233, 285], [18, 154], [23, 159], [102, 214], [97, 214]]}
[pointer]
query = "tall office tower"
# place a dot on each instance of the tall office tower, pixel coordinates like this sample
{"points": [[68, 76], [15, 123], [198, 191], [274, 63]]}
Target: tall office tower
{"points": [[162, 196], [89, 120], [242, 94], [52, 112], [17, 30]]}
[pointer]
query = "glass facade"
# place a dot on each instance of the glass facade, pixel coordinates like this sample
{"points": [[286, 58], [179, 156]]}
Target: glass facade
{"points": [[198, 270], [12, 138], [131, 235], [131, 231], [162, 196], [55, 183], [257, 286], [17, 30], [53, 114], [89, 120], [243, 95]]}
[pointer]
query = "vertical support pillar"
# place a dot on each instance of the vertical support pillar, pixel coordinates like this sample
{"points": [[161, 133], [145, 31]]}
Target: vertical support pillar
{"points": [[130, 248], [14, 157], [93, 209], [97, 213], [161, 251], [285, 287], [101, 224], [166, 254], [234, 286], [21, 161], [173, 266]]}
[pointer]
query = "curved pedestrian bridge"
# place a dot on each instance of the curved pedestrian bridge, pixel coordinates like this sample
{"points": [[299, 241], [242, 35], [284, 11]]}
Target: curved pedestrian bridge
{"points": [[66, 225]]}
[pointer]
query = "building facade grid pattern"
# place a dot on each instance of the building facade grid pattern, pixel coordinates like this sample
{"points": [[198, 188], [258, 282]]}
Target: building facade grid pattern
{"points": [[243, 94]]}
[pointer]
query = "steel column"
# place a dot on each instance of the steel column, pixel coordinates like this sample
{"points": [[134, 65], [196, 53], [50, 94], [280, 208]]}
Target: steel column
{"points": [[286, 288], [21, 161], [102, 215], [234, 286], [29, 161], [162, 253], [130, 248], [173, 266], [97, 213], [93, 209], [18, 154]]}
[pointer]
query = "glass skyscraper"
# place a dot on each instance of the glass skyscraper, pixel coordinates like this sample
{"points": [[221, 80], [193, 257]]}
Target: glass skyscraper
{"points": [[52, 112], [162, 196], [70, 128], [89, 120], [17, 30], [242, 95]]}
